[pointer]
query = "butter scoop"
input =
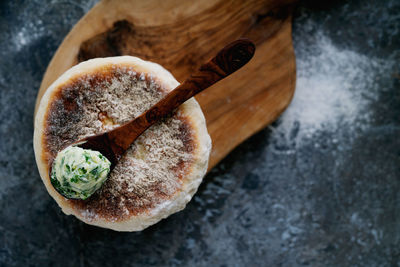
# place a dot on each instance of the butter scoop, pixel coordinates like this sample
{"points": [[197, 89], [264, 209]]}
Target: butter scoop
{"points": [[77, 173]]}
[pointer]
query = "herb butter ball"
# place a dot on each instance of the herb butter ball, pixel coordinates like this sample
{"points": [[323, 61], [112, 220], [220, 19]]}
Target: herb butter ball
{"points": [[78, 173]]}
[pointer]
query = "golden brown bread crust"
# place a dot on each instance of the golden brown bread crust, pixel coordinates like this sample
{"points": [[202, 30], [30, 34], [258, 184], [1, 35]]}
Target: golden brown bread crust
{"points": [[162, 169]]}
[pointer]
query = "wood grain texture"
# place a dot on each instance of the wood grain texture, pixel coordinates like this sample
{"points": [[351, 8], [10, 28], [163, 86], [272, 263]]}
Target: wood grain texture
{"points": [[181, 35]]}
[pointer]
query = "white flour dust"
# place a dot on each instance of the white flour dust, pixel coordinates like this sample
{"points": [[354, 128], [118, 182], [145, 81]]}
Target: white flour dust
{"points": [[335, 88], [28, 34], [33, 28]]}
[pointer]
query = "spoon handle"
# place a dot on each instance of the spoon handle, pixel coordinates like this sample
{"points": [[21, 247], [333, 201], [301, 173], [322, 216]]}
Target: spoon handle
{"points": [[228, 60]]}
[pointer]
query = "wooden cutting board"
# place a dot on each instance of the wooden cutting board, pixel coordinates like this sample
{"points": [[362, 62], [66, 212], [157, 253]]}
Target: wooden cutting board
{"points": [[180, 35]]}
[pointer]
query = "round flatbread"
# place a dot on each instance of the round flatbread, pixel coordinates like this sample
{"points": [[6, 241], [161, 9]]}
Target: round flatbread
{"points": [[161, 170]]}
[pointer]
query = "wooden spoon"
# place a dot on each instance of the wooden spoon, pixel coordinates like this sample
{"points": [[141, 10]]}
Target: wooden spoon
{"points": [[114, 143]]}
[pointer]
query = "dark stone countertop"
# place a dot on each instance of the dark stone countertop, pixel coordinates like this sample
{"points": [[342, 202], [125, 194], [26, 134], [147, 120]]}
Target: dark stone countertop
{"points": [[319, 187]]}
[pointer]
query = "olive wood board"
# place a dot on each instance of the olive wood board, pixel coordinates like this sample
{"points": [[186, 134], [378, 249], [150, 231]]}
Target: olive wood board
{"points": [[181, 35]]}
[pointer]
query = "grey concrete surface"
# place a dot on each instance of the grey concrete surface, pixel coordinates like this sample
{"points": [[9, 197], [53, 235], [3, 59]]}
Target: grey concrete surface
{"points": [[319, 187]]}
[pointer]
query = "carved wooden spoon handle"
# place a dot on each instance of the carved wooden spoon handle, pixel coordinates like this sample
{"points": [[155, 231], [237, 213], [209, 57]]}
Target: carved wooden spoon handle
{"points": [[228, 60]]}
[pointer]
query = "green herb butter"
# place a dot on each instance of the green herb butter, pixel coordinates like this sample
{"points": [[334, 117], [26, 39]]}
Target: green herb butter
{"points": [[78, 172]]}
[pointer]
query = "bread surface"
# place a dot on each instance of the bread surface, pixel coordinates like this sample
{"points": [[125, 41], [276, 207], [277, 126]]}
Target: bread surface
{"points": [[161, 170]]}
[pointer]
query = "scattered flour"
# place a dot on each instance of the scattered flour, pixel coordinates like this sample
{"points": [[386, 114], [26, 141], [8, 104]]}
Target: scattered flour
{"points": [[33, 28], [28, 34], [335, 88]]}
